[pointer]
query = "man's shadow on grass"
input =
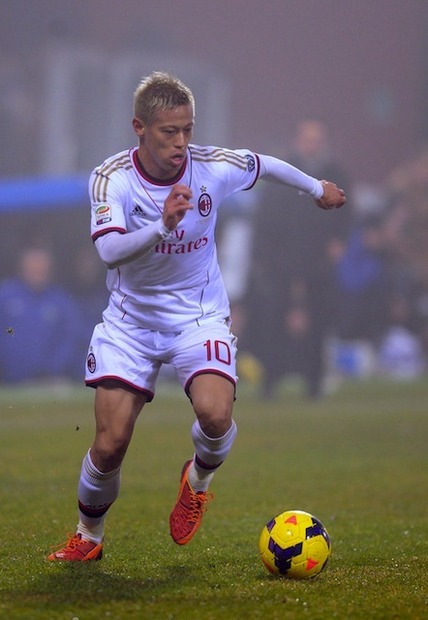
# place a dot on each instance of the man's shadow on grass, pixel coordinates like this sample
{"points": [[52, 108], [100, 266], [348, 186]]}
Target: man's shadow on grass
{"points": [[99, 584], [75, 583]]}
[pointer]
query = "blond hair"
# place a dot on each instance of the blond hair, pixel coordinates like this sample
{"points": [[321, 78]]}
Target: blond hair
{"points": [[160, 91]]}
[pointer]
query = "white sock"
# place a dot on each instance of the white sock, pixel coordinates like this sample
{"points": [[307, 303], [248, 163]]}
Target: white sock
{"points": [[198, 478], [96, 493], [210, 452], [95, 532]]}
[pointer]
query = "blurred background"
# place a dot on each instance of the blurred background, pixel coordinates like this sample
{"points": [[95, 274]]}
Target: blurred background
{"points": [[338, 88]]}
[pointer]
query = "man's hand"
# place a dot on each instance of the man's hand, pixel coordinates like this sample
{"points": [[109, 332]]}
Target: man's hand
{"points": [[332, 198], [176, 205]]}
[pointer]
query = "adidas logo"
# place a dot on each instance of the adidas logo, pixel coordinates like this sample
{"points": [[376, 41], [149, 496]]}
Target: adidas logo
{"points": [[137, 210]]}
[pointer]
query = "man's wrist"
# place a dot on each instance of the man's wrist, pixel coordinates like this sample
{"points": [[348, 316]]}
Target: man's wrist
{"points": [[318, 190], [163, 230]]}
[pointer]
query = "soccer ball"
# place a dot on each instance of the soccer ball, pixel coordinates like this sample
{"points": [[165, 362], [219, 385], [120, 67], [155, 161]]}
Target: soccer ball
{"points": [[295, 545]]}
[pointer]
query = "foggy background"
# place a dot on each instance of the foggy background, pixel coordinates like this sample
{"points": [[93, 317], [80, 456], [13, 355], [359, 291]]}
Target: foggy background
{"points": [[68, 70]]}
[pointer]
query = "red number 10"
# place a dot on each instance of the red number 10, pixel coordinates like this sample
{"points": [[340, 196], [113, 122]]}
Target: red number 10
{"points": [[221, 351]]}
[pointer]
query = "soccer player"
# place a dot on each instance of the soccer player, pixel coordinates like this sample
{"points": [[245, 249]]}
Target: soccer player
{"points": [[154, 211]]}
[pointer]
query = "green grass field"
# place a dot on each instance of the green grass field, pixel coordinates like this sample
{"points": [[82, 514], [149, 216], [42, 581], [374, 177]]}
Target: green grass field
{"points": [[358, 460]]}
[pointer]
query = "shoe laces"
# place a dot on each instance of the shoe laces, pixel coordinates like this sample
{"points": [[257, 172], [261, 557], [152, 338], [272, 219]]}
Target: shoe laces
{"points": [[198, 504], [72, 542]]}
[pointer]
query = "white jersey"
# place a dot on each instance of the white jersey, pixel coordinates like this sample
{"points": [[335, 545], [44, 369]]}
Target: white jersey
{"points": [[179, 281]]}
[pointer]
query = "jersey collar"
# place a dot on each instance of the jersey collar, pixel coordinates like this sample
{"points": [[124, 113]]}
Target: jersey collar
{"points": [[147, 177]]}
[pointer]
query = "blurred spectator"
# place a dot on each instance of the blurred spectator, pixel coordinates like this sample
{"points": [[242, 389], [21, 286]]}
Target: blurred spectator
{"points": [[90, 293], [234, 244], [291, 299], [400, 352], [40, 323], [407, 235], [407, 190], [364, 286], [363, 283]]}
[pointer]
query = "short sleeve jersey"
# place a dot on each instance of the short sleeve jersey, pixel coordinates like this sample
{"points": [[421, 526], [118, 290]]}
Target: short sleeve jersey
{"points": [[179, 281]]}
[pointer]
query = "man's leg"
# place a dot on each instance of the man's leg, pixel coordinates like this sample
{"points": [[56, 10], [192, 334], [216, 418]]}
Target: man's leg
{"points": [[116, 411], [213, 434]]}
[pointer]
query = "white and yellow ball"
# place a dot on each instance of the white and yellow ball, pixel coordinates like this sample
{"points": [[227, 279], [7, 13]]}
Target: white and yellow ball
{"points": [[295, 545]]}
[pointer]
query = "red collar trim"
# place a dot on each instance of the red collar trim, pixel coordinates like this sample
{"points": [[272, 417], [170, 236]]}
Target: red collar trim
{"points": [[147, 177]]}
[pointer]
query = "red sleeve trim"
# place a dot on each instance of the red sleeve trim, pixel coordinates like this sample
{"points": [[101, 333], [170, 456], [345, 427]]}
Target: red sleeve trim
{"points": [[257, 173], [105, 231]]}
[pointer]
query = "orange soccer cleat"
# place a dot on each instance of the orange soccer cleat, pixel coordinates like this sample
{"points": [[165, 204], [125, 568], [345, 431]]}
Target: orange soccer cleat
{"points": [[77, 549], [186, 516]]}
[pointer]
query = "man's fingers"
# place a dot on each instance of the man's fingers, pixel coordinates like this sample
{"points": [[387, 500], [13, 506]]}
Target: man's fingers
{"points": [[181, 191]]}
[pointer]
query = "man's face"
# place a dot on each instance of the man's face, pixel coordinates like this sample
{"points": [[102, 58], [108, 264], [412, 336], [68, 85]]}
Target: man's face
{"points": [[164, 142], [311, 139], [36, 269]]}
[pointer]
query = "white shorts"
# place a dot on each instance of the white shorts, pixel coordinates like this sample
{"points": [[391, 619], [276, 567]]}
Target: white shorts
{"points": [[134, 355]]}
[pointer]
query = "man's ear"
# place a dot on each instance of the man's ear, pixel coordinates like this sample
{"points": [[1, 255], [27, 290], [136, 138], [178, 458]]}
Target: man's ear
{"points": [[138, 126]]}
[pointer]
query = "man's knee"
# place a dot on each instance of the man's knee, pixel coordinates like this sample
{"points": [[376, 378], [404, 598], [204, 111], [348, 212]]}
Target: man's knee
{"points": [[108, 450], [212, 398], [214, 414]]}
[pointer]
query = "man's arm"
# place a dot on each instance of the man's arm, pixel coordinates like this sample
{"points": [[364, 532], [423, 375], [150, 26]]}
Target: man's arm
{"points": [[326, 194], [115, 248]]}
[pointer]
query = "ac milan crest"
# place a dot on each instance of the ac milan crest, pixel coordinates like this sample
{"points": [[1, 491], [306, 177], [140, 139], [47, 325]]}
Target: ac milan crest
{"points": [[205, 204], [91, 363]]}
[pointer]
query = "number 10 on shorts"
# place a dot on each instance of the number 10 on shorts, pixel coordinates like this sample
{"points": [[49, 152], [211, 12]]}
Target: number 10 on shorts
{"points": [[220, 350]]}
